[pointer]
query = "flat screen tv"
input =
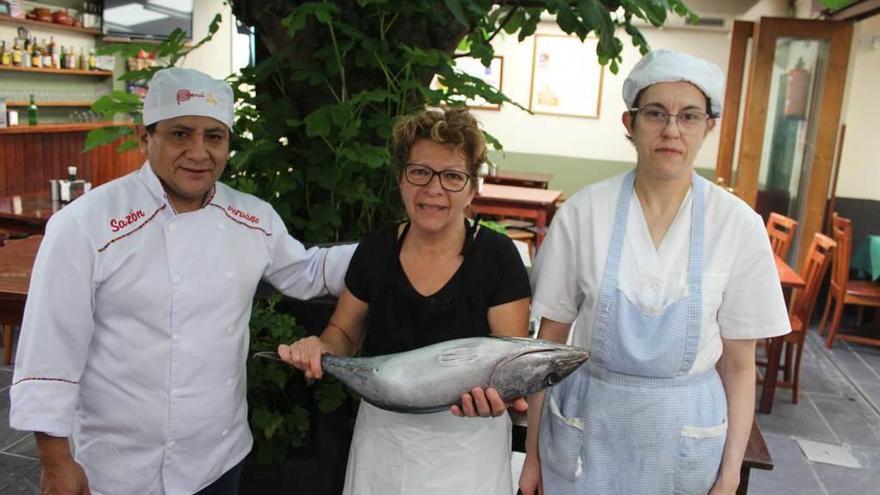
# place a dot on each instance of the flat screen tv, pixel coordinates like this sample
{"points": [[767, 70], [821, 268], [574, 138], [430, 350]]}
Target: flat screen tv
{"points": [[147, 19]]}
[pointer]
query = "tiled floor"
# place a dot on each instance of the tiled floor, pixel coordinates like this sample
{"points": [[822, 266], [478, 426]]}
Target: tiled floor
{"points": [[840, 405]]}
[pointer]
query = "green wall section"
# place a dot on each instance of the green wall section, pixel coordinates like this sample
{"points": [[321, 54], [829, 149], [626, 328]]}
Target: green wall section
{"points": [[570, 174]]}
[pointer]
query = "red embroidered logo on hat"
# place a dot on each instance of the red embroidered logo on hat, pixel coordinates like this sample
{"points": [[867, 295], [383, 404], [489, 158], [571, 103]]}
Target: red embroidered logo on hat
{"points": [[184, 95]]}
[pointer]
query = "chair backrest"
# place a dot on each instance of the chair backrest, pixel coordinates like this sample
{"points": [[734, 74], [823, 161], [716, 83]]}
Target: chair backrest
{"points": [[841, 230], [781, 230], [814, 269]]}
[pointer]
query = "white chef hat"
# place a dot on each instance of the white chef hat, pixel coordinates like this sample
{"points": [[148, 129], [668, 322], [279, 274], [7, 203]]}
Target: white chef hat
{"points": [[661, 66], [177, 92]]}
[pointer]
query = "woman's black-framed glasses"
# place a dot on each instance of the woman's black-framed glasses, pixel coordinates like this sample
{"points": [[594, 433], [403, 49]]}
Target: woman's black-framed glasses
{"points": [[421, 175]]}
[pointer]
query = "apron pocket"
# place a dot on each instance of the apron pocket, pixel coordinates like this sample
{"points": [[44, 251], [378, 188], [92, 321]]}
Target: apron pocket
{"points": [[699, 458], [561, 441]]}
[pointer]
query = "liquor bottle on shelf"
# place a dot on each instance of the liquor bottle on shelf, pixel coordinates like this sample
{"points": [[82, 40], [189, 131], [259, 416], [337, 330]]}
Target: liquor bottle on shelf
{"points": [[54, 54], [26, 53], [71, 59], [47, 57], [5, 55], [16, 52], [83, 60], [37, 56], [32, 112], [93, 60]]}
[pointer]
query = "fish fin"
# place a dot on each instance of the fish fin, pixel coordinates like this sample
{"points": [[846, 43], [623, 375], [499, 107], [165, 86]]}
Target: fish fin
{"points": [[268, 355]]}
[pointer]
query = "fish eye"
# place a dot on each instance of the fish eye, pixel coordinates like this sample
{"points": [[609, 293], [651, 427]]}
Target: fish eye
{"points": [[553, 379]]}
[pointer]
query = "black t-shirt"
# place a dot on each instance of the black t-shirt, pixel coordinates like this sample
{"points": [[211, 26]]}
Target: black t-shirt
{"points": [[400, 319]]}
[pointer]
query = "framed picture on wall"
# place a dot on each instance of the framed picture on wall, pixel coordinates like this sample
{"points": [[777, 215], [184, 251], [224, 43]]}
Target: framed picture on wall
{"points": [[566, 76], [491, 75]]}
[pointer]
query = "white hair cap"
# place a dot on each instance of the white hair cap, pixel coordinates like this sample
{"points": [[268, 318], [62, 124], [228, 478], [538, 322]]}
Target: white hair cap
{"points": [[177, 92], [661, 66]]}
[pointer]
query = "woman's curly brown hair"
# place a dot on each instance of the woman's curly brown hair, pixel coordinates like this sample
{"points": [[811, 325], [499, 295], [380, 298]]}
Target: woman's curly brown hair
{"points": [[454, 127]]}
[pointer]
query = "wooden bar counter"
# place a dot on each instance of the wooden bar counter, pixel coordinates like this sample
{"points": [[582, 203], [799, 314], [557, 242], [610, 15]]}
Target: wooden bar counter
{"points": [[31, 155]]}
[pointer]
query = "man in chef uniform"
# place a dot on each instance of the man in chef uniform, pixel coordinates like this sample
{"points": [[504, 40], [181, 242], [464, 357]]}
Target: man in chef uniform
{"points": [[135, 332]]}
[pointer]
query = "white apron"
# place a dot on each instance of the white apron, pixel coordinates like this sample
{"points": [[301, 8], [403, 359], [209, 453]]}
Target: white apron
{"points": [[428, 454]]}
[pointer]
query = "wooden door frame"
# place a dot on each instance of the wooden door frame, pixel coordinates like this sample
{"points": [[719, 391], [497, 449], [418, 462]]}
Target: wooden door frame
{"points": [[838, 34], [739, 42]]}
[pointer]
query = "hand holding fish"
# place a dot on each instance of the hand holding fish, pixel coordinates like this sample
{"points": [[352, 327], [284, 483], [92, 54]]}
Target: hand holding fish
{"points": [[305, 355], [485, 403]]}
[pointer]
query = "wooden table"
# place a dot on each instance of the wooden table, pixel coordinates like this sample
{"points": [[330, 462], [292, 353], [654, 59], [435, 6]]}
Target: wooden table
{"points": [[539, 180], [27, 213], [521, 202], [757, 457], [789, 280], [16, 262]]}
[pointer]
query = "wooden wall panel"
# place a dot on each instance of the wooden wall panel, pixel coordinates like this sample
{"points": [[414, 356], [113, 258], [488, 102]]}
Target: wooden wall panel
{"points": [[29, 160]]}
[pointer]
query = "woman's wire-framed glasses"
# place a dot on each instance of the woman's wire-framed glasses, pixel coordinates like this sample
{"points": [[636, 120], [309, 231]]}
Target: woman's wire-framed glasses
{"points": [[450, 180], [690, 120]]}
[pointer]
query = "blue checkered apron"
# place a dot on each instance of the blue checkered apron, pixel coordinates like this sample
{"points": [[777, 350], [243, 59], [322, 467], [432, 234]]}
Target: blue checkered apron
{"points": [[634, 421]]}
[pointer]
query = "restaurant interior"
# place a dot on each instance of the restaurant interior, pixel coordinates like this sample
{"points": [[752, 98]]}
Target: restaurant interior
{"points": [[797, 142]]}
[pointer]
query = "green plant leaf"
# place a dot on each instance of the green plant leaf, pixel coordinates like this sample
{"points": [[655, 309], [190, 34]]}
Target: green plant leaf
{"points": [[455, 9], [105, 135]]}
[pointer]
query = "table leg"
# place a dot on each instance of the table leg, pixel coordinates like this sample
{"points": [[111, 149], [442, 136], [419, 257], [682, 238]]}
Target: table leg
{"points": [[540, 228], [774, 349], [743, 487]]}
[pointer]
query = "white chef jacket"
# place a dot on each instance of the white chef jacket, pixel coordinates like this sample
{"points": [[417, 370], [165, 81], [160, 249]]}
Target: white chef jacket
{"points": [[742, 295], [135, 332]]}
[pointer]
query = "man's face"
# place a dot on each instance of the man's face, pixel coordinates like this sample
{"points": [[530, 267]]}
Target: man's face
{"points": [[188, 154]]}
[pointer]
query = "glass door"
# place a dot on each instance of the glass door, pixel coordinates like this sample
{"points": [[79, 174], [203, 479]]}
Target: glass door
{"points": [[791, 111]]}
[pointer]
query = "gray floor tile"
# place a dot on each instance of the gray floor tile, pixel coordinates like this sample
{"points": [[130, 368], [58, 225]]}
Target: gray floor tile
{"points": [[791, 473], [823, 378], [850, 481], [5, 378], [21, 476], [851, 419], [852, 366], [8, 436], [801, 420], [872, 393], [26, 447], [4, 398]]}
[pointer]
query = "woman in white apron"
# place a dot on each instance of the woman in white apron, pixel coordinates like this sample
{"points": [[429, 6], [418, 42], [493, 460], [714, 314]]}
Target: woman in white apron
{"points": [[666, 275], [434, 278]]}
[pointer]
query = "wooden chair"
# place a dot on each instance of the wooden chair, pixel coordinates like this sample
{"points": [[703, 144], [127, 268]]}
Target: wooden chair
{"points": [[844, 291], [801, 309], [781, 230]]}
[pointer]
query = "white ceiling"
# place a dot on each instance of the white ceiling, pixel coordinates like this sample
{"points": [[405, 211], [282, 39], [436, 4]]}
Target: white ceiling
{"points": [[724, 7]]}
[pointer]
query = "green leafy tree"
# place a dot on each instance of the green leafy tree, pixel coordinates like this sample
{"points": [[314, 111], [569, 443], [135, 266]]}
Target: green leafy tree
{"points": [[314, 117]]}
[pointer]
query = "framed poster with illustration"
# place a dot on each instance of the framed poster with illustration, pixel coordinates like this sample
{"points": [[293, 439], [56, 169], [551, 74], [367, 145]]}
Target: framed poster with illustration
{"points": [[566, 76], [491, 75]]}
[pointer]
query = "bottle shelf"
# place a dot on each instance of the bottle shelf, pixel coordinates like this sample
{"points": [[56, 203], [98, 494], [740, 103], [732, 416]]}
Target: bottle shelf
{"points": [[71, 104], [47, 128], [48, 25], [69, 72]]}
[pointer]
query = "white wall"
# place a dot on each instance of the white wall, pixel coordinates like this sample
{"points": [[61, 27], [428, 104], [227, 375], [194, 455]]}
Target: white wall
{"points": [[767, 8], [859, 175], [214, 57], [601, 138]]}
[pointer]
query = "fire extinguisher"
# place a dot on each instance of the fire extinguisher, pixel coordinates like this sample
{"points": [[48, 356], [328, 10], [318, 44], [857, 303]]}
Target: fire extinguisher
{"points": [[796, 92]]}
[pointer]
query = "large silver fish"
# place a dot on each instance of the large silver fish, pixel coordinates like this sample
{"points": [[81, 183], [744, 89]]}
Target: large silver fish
{"points": [[432, 378]]}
